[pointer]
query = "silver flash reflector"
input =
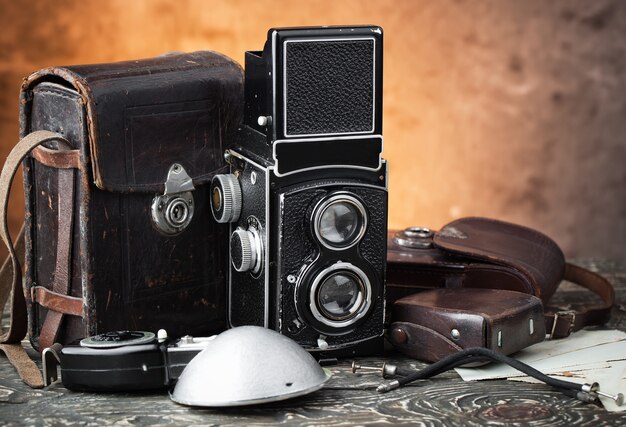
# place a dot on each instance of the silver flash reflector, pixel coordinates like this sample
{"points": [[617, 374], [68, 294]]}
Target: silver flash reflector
{"points": [[248, 365]]}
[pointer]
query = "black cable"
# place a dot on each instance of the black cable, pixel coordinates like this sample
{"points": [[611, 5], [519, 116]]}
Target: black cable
{"points": [[404, 371], [479, 354]]}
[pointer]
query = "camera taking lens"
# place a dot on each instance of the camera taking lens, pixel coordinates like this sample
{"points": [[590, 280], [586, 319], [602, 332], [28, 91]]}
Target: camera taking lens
{"points": [[340, 295]]}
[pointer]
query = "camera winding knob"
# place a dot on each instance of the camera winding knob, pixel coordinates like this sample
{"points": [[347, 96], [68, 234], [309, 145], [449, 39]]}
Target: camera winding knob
{"points": [[245, 250], [225, 198]]}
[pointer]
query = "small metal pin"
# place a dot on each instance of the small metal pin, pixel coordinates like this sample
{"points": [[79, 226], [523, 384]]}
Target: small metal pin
{"points": [[264, 120], [228, 157], [321, 342], [161, 336], [356, 367], [387, 370]]}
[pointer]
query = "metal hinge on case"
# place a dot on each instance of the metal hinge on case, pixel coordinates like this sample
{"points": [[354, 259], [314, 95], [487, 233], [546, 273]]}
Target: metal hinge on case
{"points": [[172, 211]]}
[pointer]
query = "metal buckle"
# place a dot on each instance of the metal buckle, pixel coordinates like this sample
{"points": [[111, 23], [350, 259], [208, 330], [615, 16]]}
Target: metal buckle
{"points": [[172, 211], [50, 361], [562, 314]]}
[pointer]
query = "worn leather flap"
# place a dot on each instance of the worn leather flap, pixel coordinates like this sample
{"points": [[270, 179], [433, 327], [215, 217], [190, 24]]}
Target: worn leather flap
{"points": [[526, 250], [410, 269], [143, 116]]}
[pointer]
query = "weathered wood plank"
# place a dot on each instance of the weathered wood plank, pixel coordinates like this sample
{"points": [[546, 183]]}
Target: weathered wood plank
{"points": [[347, 399]]}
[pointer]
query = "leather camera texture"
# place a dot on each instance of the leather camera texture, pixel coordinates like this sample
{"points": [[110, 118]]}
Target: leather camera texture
{"points": [[329, 87]]}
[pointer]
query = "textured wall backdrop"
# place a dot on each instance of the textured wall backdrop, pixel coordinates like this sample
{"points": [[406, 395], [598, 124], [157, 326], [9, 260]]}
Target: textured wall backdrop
{"points": [[508, 109]]}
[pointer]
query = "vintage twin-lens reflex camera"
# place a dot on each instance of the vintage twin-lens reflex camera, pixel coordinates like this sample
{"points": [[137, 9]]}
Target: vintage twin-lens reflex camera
{"points": [[306, 195]]}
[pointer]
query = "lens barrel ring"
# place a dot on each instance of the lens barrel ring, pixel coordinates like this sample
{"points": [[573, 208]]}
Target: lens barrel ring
{"points": [[362, 303], [320, 216]]}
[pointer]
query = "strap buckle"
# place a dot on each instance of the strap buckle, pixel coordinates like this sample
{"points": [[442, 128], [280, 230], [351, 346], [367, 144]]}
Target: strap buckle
{"points": [[50, 360], [557, 331]]}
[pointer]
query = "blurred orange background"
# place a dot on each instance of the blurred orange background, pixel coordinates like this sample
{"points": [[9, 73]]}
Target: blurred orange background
{"points": [[508, 109]]}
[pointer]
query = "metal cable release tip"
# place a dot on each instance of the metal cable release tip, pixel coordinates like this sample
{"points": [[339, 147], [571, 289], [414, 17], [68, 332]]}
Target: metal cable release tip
{"points": [[594, 390], [385, 387]]}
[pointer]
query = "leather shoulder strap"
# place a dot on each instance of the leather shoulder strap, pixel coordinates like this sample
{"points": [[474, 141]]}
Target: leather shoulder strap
{"points": [[560, 323], [11, 289]]}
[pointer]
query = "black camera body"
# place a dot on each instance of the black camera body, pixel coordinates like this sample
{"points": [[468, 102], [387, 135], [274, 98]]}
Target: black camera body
{"points": [[306, 196]]}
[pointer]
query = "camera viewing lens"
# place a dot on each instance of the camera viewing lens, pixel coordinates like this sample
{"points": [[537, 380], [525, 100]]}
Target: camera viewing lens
{"points": [[340, 221], [340, 295]]}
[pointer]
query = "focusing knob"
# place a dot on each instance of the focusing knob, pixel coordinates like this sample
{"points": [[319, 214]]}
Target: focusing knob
{"points": [[225, 198], [245, 250], [241, 251]]}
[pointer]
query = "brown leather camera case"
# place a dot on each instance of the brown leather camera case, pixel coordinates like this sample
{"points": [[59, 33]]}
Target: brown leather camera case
{"points": [[483, 253], [433, 324], [95, 262], [474, 253]]}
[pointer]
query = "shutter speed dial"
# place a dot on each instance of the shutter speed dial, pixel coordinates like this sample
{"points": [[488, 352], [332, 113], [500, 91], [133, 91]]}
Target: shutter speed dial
{"points": [[246, 249]]}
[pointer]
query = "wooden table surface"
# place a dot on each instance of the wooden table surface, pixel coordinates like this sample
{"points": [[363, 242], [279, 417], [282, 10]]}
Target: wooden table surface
{"points": [[347, 399]]}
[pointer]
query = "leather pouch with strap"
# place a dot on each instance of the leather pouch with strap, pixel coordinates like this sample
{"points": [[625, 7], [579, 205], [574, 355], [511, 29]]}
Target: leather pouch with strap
{"points": [[434, 324], [487, 253]]}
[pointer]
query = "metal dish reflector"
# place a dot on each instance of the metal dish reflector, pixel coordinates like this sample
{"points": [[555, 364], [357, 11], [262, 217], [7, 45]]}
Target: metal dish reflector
{"points": [[248, 365]]}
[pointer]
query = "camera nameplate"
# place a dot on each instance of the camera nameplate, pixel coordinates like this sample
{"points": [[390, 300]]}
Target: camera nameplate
{"points": [[347, 152]]}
